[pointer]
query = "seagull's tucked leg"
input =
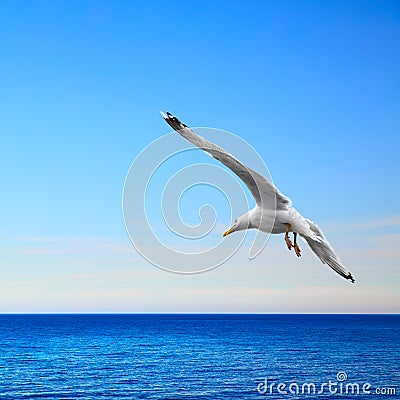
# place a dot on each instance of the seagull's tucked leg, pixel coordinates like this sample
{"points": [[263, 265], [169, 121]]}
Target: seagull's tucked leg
{"points": [[296, 246], [289, 243]]}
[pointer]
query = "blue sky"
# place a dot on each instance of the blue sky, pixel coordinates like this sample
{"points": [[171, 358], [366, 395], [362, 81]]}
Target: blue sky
{"points": [[312, 86]]}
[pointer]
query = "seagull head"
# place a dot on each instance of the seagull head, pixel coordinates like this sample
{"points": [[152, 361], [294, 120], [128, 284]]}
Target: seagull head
{"points": [[239, 224]]}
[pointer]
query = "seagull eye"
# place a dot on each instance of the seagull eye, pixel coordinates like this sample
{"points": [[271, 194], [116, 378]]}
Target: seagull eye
{"points": [[235, 221]]}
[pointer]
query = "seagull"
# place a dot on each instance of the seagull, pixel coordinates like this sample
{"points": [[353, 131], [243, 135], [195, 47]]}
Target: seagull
{"points": [[273, 212]]}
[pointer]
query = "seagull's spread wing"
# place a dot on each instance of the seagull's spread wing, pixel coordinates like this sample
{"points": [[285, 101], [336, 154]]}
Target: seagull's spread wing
{"points": [[264, 192], [324, 251]]}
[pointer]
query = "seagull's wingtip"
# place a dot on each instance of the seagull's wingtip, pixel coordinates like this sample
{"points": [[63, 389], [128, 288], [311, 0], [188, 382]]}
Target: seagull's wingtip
{"points": [[163, 115]]}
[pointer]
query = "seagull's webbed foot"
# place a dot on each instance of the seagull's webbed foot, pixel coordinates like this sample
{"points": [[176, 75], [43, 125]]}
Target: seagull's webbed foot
{"points": [[296, 246], [289, 243], [297, 250]]}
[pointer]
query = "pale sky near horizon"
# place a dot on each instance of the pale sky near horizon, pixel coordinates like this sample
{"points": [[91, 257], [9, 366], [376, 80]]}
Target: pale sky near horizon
{"points": [[312, 86]]}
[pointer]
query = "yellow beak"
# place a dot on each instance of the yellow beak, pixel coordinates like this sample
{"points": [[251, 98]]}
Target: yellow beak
{"points": [[228, 232]]}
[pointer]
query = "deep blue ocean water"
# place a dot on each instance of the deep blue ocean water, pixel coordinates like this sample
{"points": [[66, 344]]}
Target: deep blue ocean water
{"points": [[198, 356]]}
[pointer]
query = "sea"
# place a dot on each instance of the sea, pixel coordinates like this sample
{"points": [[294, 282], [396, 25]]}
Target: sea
{"points": [[199, 356]]}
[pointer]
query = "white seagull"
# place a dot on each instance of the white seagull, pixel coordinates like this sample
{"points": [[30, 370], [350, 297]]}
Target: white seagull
{"points": [[273, 212]]}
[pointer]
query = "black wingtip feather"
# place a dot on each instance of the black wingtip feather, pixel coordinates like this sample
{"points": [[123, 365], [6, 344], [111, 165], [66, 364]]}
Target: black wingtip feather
{"points": [[350, 277], [173, 122]]}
